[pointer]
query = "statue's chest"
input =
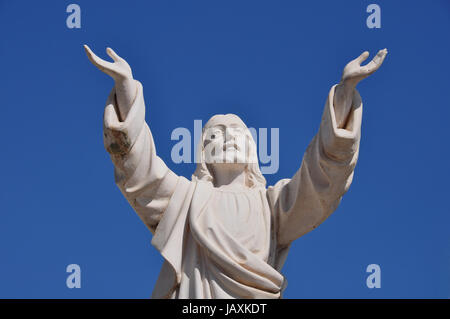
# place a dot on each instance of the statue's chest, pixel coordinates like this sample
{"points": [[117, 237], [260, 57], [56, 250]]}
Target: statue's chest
{"points": [[245, 216]]}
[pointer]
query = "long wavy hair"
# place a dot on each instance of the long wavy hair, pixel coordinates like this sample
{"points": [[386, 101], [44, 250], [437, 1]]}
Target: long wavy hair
{"points": [[253, 175]]}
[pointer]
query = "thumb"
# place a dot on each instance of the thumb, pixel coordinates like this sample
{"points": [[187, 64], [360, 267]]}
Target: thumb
{"points": [[362, 57]]}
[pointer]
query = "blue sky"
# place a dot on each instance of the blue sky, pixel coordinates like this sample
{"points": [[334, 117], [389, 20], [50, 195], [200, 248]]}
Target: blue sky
{"points": [[270, 62]]}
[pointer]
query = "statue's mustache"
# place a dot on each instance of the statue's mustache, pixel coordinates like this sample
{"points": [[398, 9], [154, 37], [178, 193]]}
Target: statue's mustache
{"points": [[234, 145]]}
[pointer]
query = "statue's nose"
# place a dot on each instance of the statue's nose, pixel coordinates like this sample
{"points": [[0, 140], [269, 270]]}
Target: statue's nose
{"points": [[229, 136]]}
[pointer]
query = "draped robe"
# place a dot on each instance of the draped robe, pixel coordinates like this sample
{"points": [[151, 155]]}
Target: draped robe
{"points": [[228, 244]]}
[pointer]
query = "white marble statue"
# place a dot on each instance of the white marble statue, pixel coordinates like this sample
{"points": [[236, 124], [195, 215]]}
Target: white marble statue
{"points": [[224, 234]]}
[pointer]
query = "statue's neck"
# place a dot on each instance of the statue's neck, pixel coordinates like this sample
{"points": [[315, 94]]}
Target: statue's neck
{"points": [[229, 176]]}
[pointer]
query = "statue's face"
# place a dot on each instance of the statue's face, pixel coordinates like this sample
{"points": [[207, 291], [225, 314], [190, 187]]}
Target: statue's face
{"points": [[226, 141]]}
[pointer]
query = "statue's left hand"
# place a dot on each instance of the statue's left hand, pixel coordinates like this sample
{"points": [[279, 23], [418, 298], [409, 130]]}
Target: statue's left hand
{"points": [[354, 72]]}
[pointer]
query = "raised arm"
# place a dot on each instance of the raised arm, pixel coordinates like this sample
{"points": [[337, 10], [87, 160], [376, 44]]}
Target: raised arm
{"points": [[142, 176], [302, 203]]}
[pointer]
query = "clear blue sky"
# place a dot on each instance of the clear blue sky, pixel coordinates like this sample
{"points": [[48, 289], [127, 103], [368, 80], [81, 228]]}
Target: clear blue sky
{"points": [[272, 63]]}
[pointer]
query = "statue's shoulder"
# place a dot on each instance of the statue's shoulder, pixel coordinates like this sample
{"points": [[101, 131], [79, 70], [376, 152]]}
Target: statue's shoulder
{"points": [[278, 185]]}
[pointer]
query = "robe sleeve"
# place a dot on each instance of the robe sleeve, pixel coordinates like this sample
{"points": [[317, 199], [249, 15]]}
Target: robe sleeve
{"points": [[143, 178], [302, 203]]}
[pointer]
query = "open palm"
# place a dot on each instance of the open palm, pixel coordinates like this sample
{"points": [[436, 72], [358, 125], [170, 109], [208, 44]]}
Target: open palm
{"points": [[119, 70], [354, 72]]}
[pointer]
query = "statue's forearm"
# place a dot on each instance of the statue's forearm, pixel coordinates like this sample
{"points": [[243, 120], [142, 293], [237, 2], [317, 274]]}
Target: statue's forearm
{"points": [[125, 93], [342, 103]]}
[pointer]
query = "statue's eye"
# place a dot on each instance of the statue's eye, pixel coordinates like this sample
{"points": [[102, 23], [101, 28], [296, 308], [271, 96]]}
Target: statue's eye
{"points": [[213, 136]]}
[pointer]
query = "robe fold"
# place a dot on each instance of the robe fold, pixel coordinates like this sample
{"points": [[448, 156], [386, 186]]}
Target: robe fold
{"points": [[222, 243]]}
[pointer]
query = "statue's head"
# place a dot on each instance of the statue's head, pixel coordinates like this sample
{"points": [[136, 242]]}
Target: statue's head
{"points": [[226, 143]]}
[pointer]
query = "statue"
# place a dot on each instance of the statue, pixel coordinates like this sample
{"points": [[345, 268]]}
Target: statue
{"points": [[224, 234]]}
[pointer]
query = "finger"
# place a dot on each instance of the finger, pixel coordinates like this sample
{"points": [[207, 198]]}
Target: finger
{"points": [[89, 52], [379, 58], [91, 55], [98, 62], [113, 54], [362, 57], [376, 62]]}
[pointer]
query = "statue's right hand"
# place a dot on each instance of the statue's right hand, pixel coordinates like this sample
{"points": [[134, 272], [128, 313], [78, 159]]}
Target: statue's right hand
{"points": [[119, 70]]}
